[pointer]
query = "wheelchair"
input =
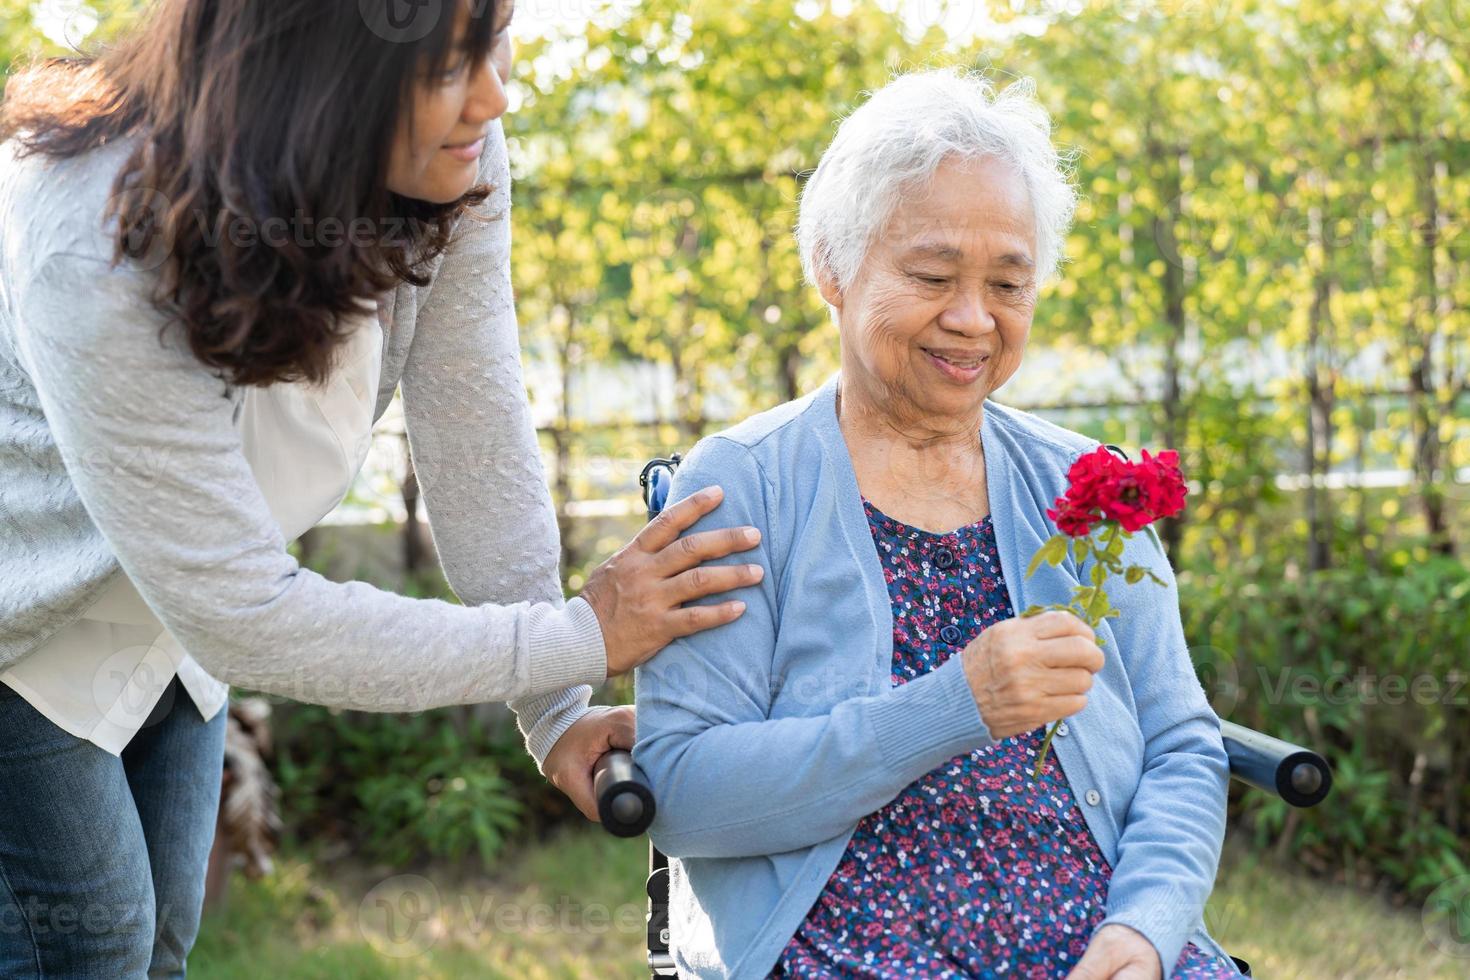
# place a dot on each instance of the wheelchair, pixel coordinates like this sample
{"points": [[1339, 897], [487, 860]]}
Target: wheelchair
{"points": [[626, 807]]}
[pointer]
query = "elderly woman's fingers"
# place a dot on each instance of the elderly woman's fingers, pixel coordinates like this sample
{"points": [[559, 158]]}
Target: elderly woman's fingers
{"points": [[1066, 682], [710, 579], [1072, 651], [693, 549], [1059, 622], [1020, 679], [1063, 707]]}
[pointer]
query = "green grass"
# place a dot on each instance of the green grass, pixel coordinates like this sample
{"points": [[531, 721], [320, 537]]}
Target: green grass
{"points": [[1290, 926], [572, 909]]}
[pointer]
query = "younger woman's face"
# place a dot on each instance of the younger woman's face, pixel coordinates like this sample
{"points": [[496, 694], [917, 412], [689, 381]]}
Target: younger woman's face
{"points": [[438, 159]]}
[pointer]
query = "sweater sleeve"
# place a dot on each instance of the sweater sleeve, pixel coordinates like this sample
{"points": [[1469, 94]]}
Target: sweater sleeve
{"points": [[147, 437], [479, 464], [1169, 847], [731, 781]]}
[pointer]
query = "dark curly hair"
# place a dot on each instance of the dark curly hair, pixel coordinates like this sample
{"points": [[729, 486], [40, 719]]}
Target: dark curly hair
{"points": [[259, 111]]}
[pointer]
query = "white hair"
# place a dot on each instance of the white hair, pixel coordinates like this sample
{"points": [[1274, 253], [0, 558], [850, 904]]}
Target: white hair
{"points": [[898, 139]]}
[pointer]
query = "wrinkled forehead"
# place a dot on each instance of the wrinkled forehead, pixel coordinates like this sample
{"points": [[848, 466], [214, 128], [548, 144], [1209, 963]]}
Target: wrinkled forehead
{"points": [[968, 210]]}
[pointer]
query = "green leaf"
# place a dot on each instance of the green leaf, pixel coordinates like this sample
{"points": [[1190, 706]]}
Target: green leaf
{"points": [[1052, 553], [1098, 606], [1134, 574]]}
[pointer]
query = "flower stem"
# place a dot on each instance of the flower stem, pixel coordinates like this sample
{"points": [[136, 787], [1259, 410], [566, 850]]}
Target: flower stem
{"points": [[1041, 756]]}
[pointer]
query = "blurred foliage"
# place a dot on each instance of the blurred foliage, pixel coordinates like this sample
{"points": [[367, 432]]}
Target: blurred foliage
{"points": [[1372, 669], [31, 29], [568, 908], [404, 787]]}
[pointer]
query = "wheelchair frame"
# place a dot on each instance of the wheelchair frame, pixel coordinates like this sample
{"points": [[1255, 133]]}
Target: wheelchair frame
{"points": [[626, 805]]}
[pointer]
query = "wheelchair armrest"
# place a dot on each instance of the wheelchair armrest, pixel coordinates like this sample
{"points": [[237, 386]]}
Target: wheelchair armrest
{"points": [[1298, 775], [624, 798]]}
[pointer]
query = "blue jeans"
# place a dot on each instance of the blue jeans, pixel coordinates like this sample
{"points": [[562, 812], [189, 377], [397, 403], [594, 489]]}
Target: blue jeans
{"points": [[102, 858]]}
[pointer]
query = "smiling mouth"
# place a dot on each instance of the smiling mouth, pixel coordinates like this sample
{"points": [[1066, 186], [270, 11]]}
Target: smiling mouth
{"points": [[465, 153], [966, 362]]}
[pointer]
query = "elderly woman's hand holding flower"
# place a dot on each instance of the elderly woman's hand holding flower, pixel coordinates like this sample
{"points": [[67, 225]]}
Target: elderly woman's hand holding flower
{"points": [[1025, 672]]}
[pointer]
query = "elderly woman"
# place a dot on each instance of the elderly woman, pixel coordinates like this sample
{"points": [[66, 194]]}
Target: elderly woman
{"points": [[843, 773]]}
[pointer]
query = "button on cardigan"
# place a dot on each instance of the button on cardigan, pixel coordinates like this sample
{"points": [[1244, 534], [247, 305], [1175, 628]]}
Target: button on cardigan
{"points": [[769, 738]]}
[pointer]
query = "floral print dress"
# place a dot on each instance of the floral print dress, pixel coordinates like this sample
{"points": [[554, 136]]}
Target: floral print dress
{"points": [[975, 869]]}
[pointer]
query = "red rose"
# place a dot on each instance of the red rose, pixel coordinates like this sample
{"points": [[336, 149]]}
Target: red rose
{"points": [[1100, 487], [1072, 521]]}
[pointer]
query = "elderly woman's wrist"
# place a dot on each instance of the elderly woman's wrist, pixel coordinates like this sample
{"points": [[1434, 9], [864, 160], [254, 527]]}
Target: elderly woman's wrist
{"points": [[931, 717]]}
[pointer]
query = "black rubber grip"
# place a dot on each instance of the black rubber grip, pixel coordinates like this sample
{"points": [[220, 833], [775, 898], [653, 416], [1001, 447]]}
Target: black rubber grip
{"points": [[1299, 776], [624, 798]]}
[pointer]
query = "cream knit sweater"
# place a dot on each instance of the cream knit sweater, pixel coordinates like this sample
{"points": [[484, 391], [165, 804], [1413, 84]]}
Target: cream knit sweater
{"points": [[117, 450]]}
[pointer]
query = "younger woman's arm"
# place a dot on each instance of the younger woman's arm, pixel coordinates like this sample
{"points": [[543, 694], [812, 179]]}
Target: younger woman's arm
{"points": [[147, 436], [475, 449]]}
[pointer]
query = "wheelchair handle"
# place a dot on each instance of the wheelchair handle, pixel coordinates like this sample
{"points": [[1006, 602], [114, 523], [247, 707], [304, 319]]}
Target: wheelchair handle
{"points": [[624, 798], [1299, 776], [656, 480]]}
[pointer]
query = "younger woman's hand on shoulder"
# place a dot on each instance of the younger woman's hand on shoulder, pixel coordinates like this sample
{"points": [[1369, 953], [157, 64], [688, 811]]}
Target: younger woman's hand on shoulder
{"points": [[639, 593]]}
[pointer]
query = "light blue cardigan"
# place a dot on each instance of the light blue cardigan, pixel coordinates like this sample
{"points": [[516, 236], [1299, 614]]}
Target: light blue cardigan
{"points": [[769, 738]]}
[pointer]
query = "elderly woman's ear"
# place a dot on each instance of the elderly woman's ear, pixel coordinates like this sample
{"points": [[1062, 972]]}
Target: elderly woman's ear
{"points": [[827, 286]]}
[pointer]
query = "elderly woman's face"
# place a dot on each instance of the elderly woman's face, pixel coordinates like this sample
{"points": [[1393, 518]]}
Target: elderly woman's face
{"points": [[939, 313]]}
